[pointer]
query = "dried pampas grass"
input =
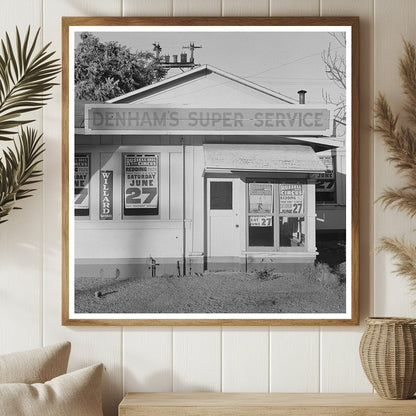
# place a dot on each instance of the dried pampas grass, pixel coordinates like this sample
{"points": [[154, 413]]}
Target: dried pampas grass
{"points": [[401, 144], [405, 254]]}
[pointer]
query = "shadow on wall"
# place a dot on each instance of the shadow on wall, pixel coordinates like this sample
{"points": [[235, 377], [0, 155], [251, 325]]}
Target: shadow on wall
{"points": [[160, 381], [112, 393]]}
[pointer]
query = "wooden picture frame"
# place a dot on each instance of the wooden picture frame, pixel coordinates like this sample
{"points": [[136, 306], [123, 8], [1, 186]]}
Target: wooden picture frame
{"points": [[201, 199]]}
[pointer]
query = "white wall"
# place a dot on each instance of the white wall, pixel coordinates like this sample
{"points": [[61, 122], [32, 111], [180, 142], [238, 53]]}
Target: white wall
{"points": [[247, 359]]}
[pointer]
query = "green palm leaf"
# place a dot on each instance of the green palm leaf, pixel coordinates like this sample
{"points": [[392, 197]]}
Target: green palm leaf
{"points": [[19, 170], [26, 78]]}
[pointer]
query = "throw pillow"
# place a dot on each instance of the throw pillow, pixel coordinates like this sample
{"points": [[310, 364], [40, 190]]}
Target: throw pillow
{"points": [[35, 366], [73, 394]]}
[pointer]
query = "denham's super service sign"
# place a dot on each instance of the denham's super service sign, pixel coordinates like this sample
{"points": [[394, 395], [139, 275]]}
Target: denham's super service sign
{"points": [[131, 119]]}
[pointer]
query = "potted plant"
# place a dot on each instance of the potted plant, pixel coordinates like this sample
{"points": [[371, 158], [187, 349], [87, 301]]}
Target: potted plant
{"points": [[388, 346]]}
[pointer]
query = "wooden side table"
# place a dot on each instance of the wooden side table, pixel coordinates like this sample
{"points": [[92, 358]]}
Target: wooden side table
{"points": [[253, 404]]}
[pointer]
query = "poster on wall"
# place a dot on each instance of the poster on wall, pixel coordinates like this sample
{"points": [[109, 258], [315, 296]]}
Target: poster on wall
{"points": [[106, 195], [325, 183], [141, 182], [199, 154], [82, 184]]}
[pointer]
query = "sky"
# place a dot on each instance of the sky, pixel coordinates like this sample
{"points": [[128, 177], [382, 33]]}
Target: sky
{"points": [[285, 62]]}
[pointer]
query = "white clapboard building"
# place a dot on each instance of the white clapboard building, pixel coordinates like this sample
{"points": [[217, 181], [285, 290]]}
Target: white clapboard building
{"points": [[204, 171]]}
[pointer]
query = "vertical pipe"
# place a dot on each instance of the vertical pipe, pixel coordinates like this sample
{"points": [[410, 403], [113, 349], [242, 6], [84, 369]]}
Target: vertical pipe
{"points": [[302, 94], [183, 208]]}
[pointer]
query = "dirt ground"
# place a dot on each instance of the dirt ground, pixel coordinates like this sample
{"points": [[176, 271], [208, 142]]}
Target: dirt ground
{"points": [[314, 291]]}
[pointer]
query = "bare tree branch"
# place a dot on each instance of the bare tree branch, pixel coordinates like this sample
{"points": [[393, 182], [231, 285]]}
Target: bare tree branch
{"points": [[336, 71]]}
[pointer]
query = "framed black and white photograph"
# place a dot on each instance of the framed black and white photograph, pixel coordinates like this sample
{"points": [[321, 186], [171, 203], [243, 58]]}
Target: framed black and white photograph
{"points": [[210, 171]]}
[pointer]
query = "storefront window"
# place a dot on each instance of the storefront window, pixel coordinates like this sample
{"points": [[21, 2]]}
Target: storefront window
{"points": [[82, 173], [280, 227], [141, 184], [221, 195]]}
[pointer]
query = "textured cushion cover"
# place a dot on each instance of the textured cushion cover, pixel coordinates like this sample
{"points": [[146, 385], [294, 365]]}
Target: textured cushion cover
{"points": [[73, 394], [35, 366]]}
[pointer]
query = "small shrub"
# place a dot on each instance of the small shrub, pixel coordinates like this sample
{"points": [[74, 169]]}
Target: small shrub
{"points": [[267, 274]]}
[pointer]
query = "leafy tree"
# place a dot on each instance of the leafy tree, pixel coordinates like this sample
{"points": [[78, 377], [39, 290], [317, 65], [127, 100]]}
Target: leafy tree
{"points": [[107, 70]]}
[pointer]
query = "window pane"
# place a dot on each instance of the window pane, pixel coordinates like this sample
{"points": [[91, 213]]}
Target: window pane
{"points": [[260, 231], [260, 197], [292, 231], [221, 195]]}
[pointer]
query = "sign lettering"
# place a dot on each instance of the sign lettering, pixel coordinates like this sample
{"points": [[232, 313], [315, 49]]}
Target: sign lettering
{"points": [[261, 221], [294, 119], [141, 182], [291, 199], [106, 195]]}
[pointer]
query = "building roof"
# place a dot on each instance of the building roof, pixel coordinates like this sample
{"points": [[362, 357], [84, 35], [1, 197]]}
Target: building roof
{"points": [[205, 84]]}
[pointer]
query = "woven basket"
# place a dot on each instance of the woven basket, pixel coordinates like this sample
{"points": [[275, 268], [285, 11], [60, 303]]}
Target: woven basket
{"points": [[388, 356]]}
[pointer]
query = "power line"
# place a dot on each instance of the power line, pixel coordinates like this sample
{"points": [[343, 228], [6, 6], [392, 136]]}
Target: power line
{"points": [[289, 63]]}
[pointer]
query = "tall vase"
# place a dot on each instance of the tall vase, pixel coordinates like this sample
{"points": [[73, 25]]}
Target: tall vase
{"points": [[388, 356]]}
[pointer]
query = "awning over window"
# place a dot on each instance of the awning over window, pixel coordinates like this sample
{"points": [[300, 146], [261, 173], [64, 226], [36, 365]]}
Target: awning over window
{"points": [[262, 158]]}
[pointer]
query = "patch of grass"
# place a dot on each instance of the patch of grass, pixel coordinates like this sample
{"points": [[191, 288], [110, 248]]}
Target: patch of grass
{"points": [[265, 291], [324, 274]]}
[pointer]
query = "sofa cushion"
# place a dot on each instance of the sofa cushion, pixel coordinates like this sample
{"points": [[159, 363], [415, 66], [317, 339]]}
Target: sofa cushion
{"points": [[35, 366], [73, 394]]}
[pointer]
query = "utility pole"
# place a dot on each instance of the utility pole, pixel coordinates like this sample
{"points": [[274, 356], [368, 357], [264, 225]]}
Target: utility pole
{"points": [[192, 47]]}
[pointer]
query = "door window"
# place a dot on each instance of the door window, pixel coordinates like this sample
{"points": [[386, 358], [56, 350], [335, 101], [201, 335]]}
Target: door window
{"points": [[221, 195]]}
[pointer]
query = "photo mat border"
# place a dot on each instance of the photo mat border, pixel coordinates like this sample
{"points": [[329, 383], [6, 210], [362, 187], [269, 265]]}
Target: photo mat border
{"points": [[200, 319]]}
